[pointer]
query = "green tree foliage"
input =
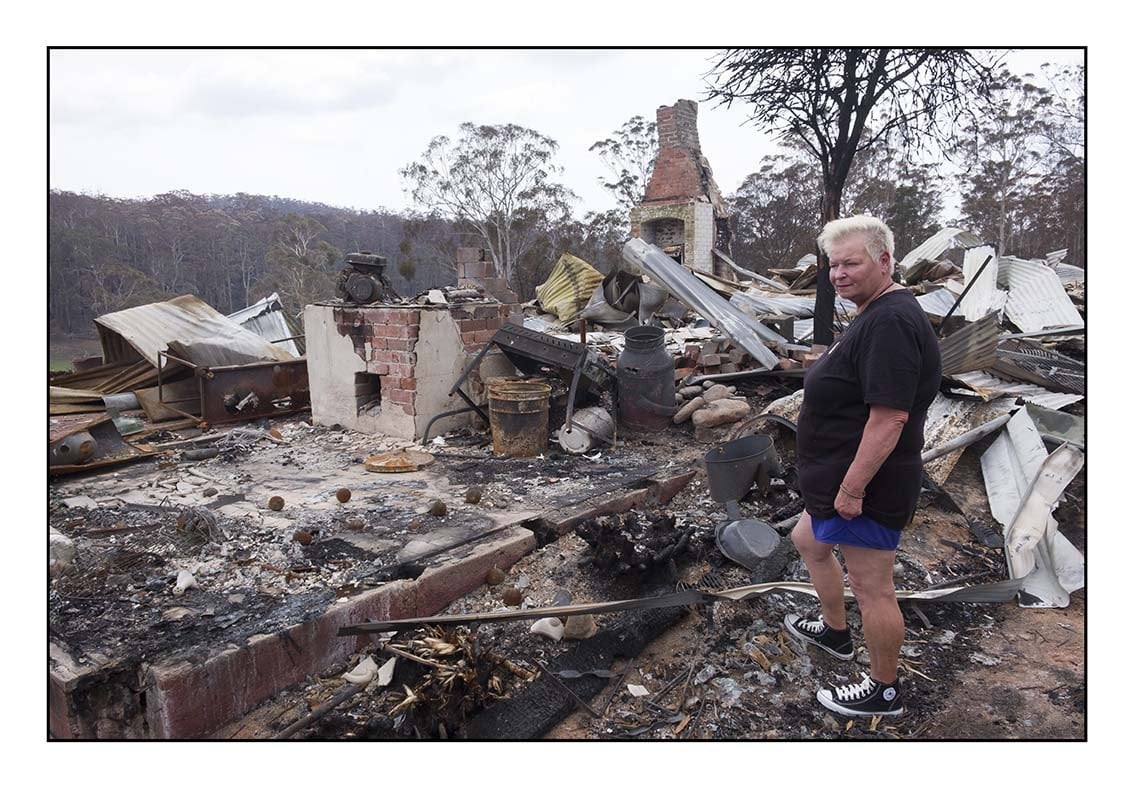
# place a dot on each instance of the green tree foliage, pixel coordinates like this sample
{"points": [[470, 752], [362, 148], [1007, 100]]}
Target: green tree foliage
{"points": [[1006, 144], [1024, 165], [773, 213], [496, 180], [629, 154], [905, 194]]}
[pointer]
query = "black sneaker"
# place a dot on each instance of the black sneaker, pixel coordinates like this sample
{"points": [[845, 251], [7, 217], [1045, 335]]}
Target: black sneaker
{"points": [[868, 698], [836, 642]]}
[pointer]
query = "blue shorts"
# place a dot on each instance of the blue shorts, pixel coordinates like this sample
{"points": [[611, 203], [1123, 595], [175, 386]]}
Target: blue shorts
{"points": [[860, 532]]}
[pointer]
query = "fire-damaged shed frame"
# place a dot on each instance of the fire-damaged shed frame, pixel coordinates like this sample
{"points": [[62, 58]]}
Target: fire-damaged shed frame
{"points": [[244, 391]]}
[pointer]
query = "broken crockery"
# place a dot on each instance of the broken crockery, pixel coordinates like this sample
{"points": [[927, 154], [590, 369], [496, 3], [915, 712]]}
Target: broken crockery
{"points": [[386, 672], [746, 541], [61, 553], [551, 628], [637, 690], [363, 673], [580, 627], [185, 581]]}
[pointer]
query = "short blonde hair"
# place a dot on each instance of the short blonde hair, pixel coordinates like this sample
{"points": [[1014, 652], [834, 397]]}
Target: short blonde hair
{"points": [[877, 236]]}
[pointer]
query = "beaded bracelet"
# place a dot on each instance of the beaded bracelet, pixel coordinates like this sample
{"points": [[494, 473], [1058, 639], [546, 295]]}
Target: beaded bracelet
{"points": [[852, 495]]}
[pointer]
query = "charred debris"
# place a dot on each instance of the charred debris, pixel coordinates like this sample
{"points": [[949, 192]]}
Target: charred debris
{"points": [[625, 440]]}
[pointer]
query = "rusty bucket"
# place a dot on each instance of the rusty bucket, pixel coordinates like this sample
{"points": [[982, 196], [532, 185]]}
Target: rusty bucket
{"points": [[517, 412]]}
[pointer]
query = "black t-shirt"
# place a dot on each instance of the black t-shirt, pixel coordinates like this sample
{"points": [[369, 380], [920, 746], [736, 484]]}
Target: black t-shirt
{"points": [[888, 356]]}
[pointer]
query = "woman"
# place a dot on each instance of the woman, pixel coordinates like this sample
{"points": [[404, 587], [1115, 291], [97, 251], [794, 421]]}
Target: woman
{"points": [[859, 459]]}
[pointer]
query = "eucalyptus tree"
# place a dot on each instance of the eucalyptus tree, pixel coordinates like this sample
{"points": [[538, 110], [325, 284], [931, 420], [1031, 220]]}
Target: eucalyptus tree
{"points": [[493, 179]]}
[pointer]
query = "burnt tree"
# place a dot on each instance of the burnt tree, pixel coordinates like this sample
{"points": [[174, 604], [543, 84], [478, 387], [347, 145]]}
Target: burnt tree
{"points": [[823, 100]]}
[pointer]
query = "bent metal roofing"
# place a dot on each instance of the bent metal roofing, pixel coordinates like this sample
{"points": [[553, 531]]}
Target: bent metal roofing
{"points": [[210, 337]]}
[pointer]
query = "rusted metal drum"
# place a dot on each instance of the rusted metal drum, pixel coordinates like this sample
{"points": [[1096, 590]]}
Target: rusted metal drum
{"points": [[645, 381], [517, 413]]}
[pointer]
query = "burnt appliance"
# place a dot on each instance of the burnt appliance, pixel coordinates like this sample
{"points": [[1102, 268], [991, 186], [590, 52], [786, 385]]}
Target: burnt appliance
{"points": [[364, 280]]}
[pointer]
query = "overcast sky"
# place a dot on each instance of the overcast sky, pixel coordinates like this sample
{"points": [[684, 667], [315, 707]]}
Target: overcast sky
{"points": [[334, 126]]}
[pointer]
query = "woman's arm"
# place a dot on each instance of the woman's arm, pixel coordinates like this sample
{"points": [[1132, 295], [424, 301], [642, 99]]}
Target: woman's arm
{"points": [[879, 437]]}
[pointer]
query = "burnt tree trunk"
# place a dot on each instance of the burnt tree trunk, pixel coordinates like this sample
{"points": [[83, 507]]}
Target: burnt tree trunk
{"points": [[824, 333]]}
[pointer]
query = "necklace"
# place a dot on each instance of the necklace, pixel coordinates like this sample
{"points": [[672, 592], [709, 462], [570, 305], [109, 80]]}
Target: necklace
{"points": [[891, 289]]}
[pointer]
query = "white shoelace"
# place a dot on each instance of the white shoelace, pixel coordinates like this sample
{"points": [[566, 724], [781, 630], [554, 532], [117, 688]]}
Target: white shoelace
{"points": [[855, 691], [812, 627]]}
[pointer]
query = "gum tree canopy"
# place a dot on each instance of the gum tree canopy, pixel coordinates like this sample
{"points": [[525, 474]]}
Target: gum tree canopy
{"points": [[827, 99], [496, 179]]}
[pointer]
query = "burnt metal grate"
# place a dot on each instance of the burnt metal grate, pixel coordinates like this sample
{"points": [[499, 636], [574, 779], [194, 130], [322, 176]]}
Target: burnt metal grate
{"points": [[139, 551], [1027, 361]]}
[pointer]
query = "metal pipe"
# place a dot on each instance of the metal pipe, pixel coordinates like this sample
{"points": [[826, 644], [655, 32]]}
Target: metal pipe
{"points": [[446, 414], [751, 274], [961, 441]]}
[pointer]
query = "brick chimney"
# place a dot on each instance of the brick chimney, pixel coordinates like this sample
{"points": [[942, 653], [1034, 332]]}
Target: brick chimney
{"points": [[677, 172], [682, 210]]}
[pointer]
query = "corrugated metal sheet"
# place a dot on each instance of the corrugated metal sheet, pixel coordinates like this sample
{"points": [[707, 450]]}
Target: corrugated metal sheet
{"points": [[937, 302], [983, 297], [680, 281], [1024, 485], [803, 329], [949, 418], [265, 318], [1069, 274], [759, 304], [63, 394], [568, 287], [989, 387], [938, 244], [188, 320], [971, 347], [1036, 298]]}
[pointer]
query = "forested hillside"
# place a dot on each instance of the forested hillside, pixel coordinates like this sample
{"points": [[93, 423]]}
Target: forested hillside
{"points": [[1016, 177], [107, 254]]}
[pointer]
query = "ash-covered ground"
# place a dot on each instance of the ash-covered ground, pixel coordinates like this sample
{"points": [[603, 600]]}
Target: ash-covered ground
{"points": [[728, 671]]}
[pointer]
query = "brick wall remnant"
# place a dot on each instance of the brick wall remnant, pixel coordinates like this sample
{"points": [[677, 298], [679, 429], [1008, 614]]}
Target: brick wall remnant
{"points": [[476, 269]]}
